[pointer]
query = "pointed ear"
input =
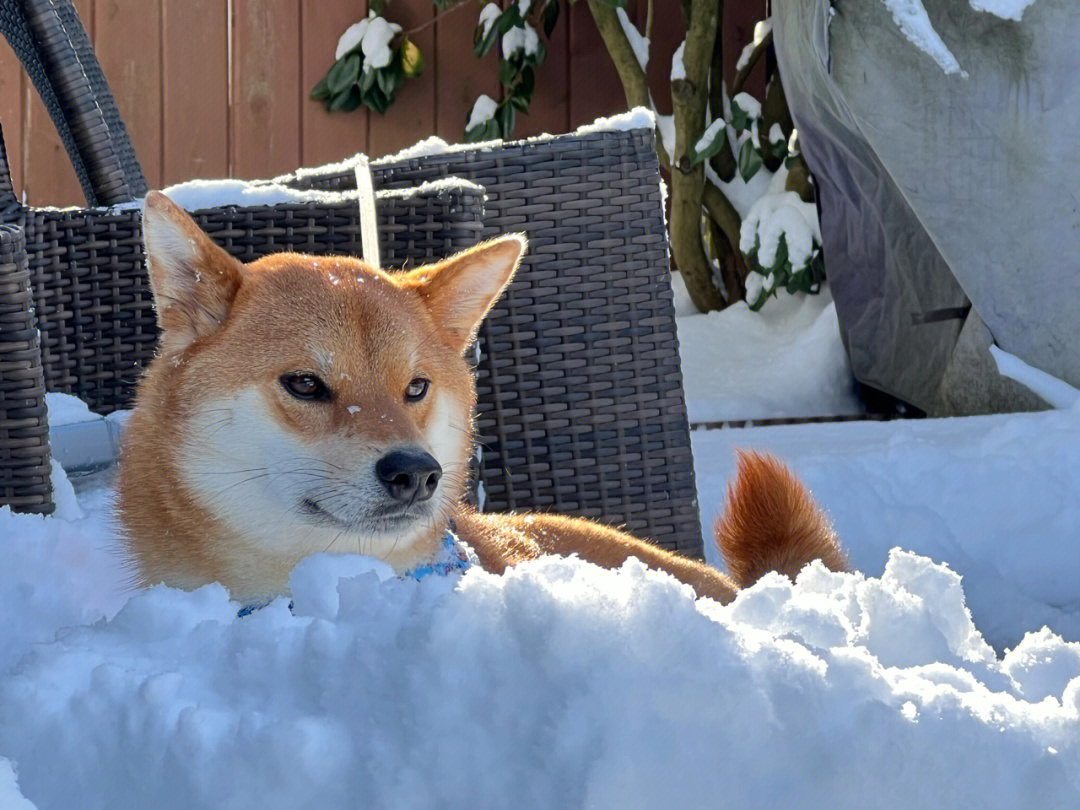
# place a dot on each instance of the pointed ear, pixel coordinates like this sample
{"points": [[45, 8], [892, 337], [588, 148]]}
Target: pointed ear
{"points": [[460, 290], [193, 280]]}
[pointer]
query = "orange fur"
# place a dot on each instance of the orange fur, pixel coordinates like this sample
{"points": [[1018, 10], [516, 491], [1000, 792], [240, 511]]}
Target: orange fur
{"points": [[771, 523], [225, 476]]}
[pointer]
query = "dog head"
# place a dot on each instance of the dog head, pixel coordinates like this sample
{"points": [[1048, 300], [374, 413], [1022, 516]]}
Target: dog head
{"points": [[319, 403]]}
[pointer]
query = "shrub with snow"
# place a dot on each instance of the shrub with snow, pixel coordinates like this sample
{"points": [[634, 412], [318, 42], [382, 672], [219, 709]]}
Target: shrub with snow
{"points": [[372, 60]]}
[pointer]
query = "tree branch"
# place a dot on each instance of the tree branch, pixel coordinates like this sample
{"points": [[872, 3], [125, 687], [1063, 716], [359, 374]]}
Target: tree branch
{"points": [[689, 98], [755, 55], [635, 84], [437, 17]]}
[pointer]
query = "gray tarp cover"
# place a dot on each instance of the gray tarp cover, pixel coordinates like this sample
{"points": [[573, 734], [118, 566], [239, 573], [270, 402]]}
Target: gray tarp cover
{"points": [[938, 190]]}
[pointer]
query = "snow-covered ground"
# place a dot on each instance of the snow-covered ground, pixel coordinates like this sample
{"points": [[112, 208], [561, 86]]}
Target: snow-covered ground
{"points": [[561, 684], [785, 360]]}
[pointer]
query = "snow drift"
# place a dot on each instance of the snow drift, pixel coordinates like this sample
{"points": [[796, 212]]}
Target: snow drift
{"points": [[559, 684]]}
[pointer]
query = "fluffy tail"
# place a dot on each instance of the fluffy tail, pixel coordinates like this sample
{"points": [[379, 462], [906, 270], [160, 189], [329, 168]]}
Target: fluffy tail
{"points": [[771, 523]]}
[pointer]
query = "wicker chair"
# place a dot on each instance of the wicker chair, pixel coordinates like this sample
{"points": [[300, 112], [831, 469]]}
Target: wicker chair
{"points": [[581, 404]]}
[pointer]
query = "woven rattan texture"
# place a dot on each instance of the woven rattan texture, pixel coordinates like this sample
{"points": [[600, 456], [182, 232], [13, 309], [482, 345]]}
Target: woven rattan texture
{"points": [[93, 299], [24, 428], [581, 407]]}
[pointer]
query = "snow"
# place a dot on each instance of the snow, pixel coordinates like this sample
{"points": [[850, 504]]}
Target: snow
{"points": [[65, 409], [740, 193], [638, 44], [761, 30], [785, 360], [373, 34], [520, 38], [352, 37], [555, 681], [376, 43], [482, 112], [10, 797], [488, 15], [915, 25], [776, 134], [709, 135], [1006, 9], [781, 214], [1056, 393], [993, 496], [748, 104], [665, 124], [637, 118], [678, 69]]}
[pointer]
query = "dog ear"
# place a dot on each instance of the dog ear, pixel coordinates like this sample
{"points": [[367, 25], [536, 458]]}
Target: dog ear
{"points": [[460, 290], [193, 280]]}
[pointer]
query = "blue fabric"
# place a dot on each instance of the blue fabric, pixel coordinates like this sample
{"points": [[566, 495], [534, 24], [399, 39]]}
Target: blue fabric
{"points": [[453, 556]]}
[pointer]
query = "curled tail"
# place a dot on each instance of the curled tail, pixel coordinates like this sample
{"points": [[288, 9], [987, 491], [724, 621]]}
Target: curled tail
{"points": [[771, 523]]}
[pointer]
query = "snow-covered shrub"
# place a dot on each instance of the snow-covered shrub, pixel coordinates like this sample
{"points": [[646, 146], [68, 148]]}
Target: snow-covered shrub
{"points": [[721, 146], [373, 59], [780, 238], [521, 52]]}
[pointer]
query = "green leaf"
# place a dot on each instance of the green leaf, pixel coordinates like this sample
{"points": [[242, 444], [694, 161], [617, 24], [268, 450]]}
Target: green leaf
{"points": [[507, 72], [710, 148], [387, 82], [527, 84], [616, 3], [377, 100], [345, 101], [412, 61], [379, 7], [343, 73], [487, 131], [740, 119], [506, 118], [320, 91], [538, 57], [550, 16], [507, 20], [749, 160], [483, 44]]}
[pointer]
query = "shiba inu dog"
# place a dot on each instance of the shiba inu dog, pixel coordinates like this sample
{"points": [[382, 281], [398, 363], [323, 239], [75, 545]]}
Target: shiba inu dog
{"points": [[302, 404]]}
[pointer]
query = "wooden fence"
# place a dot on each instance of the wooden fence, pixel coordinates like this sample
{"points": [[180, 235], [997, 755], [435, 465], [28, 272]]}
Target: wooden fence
{"points": [[215, 88]]}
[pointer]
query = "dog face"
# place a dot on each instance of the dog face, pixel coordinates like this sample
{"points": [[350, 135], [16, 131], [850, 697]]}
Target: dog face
{"points": [[322, 404]]}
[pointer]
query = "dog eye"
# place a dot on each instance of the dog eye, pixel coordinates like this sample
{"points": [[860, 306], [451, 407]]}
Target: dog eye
{"points": [[416, 390], [305, 386]]}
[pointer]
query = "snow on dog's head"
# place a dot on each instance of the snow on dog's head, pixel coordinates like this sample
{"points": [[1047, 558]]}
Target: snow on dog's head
{"points": [[299, 404]]}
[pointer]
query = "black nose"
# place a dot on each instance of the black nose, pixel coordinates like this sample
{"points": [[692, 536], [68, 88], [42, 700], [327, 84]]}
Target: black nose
{"points": [[409, 475]]}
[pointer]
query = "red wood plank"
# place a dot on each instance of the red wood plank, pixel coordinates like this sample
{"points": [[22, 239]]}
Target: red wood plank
{"points": [[596, 89], [127, 40], [195, 90], [550, 108], [265, 115], [327, 136], [412, 116], [48, 178], [11, 112], [460, 78]]}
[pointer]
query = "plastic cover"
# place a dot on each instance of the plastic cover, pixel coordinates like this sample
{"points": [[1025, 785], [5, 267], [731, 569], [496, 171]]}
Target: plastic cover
{"points": [[942, 190]]}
